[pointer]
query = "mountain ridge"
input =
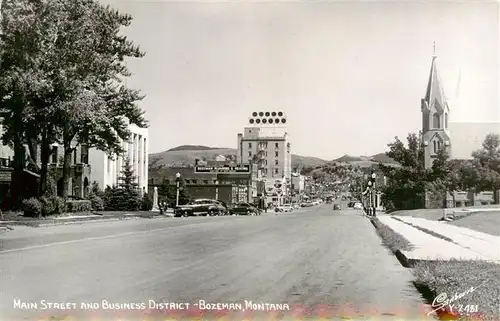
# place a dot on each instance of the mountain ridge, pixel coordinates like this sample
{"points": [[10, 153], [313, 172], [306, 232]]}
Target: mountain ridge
{"points": [[185, 155]]}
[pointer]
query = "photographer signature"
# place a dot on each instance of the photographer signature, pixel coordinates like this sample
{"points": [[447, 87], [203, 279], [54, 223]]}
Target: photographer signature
{"points": [[442, 300]]}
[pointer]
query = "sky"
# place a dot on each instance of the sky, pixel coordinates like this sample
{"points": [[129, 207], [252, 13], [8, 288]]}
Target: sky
{"points": [[349, 75]]}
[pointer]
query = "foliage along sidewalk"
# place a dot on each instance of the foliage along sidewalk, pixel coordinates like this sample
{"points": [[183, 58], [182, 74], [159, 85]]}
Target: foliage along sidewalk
{"points": [[426, 247], [12, 219]]}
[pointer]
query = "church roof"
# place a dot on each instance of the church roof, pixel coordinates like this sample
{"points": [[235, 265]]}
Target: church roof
{"points": [[435, 93]]}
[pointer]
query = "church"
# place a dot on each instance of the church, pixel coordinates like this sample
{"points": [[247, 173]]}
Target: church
{"points": [[460, 139]]}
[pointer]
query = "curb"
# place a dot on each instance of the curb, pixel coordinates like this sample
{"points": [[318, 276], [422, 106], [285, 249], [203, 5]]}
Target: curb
{"points": [[79, 221]]}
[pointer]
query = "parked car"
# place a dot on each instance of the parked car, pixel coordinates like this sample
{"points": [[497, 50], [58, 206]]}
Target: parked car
{"points": [[244, 209], [201, 207]]}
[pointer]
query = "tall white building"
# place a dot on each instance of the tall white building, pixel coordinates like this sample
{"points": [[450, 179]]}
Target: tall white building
{"points": [[106, 171], [266, 143]]}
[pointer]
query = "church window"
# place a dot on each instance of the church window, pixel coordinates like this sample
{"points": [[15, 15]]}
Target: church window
{"points": [[436, 121], [446, 120], [435, 147]]}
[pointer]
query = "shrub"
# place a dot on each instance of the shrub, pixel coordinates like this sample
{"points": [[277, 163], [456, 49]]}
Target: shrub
{"points": [[79, 206], [59, 205], [120, 199], [96, 190], [48, 206], [96, 201], [147, 202], [32, 207]]}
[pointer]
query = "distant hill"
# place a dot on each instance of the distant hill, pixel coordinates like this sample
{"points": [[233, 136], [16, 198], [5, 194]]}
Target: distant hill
{"points": [[185, 156], [365, 161], [192, 147]]}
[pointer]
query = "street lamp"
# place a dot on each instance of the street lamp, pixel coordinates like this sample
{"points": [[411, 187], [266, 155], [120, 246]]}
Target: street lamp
{"points": [[177, 182], [369, 197], [374, 195], [217, 190]]}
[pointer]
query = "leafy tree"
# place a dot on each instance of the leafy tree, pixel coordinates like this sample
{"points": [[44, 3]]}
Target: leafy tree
{"points": [[168, 193], [486, 165], [27, 97], [68, 77], [406, 185]]}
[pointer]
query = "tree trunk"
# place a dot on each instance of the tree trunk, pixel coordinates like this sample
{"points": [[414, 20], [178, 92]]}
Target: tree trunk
{"points": [[44, 168], [16, 184], [66, 168]]}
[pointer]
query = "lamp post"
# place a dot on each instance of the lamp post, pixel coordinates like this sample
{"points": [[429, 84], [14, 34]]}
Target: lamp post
{"points": [[177, 182], [217, 189], [374, 195], [369, 196]]}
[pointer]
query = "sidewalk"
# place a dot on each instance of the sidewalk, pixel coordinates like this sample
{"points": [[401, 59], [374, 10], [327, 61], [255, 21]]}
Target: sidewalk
{"points": [[484, 244], [76, 219], [426, 246]]}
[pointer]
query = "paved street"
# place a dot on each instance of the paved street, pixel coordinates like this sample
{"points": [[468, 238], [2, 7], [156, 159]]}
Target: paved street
{"points": [[302, 261]]}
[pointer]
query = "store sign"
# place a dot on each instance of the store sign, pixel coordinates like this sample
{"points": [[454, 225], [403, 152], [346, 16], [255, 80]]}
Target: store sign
{"points": [[225, 169]]}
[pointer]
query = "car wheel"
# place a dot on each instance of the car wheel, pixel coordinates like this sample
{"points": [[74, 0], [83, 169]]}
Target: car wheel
{"points": [[185, 214], [211, 213]]}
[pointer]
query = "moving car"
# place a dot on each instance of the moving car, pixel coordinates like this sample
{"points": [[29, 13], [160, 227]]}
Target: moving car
{"points": [[244, 209], [201, 207], [284, 208], [357, 206]]}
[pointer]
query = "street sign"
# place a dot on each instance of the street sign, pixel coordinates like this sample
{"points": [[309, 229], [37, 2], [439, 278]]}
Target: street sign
{"points": [[224, 169]]}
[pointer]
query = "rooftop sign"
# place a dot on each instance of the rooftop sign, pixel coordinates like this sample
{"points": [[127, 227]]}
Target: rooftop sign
{"points": [[223, 169]]}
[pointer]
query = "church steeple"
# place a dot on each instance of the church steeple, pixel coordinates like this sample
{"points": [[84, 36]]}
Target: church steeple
{"points": [[435, 114]]}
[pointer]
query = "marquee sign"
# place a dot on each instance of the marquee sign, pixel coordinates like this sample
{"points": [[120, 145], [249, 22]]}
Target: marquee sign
{"points": [[224, 169]]}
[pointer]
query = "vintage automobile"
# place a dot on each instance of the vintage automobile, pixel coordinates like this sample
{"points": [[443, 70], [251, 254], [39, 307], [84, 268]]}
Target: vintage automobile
{"points": [[201, 207], [244, 209]]}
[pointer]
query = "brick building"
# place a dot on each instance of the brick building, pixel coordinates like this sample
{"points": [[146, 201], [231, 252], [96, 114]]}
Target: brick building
{"points": [[227, 187]]}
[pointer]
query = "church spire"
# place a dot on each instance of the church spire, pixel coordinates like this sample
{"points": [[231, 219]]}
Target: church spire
{"points": [[435, 93]]}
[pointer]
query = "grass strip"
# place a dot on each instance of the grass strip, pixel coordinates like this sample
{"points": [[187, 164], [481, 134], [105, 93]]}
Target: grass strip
{"points": [[425, 230], [456, 278], [392, 240]]}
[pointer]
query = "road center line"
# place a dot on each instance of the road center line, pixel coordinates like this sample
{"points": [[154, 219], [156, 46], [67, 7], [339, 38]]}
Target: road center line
{"points": [[34, 247]]}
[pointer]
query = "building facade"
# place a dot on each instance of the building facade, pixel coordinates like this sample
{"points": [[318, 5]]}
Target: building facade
{"points": [[265, 142], [227, 187], [435, 114], [106, 170], [437, 131]]}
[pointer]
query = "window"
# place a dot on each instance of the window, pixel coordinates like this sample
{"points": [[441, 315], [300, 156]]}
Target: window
{"points": [[276, 154], [265, 162], [276, 162], [84, 157], [54, 154], [446, 120], [276, 171], [249, 145], [276, 145], [205, 181], [249, 154], [436, 121], [435, 147], [194, 181], [75, 159]]}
